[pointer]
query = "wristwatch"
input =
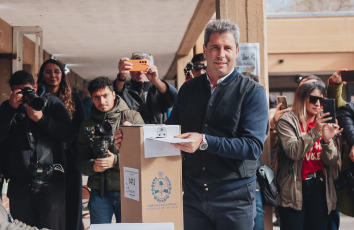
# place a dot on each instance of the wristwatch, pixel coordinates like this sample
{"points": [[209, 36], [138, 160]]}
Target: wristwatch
{"points": [[120, 79], [204, 144]]}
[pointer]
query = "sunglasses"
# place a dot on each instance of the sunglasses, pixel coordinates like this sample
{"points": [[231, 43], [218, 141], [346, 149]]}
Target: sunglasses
{"points": [[314, 99]]}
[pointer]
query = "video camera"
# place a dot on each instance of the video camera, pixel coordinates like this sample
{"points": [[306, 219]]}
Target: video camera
{"points": [[190, 66], [103, 133], [32, 99]]}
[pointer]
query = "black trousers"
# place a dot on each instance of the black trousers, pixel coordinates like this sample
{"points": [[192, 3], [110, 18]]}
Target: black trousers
{"points": [[44, 209], [210, 210], [314, 212]]}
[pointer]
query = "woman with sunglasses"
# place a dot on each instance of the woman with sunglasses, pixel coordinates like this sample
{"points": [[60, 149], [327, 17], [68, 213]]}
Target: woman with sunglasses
{"points": [[52, 77], [307, 161]]}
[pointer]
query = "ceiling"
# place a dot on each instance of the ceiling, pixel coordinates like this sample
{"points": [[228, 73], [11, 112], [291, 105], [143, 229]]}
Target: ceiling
{"points": [[92, 35]]}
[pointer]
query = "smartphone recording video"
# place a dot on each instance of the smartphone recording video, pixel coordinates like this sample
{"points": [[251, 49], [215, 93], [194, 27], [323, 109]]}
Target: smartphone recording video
{"points": [[139, 65], [330, 107], [282, 99], [348, 76]]}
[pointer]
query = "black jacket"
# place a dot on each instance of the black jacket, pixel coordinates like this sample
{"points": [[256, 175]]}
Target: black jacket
{"points": [[234, 119], [154, 109], [50, 132], [345, 115]]}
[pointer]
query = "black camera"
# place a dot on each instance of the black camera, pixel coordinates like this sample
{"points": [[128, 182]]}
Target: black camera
{"points": [[103, 133], [199, 66], [345, 179], [41, 174], [32, 99], [187, 71]]}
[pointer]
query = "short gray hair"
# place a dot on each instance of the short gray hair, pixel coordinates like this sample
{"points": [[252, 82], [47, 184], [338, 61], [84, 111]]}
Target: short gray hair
{"points": [[141, 55], [221, 26]]}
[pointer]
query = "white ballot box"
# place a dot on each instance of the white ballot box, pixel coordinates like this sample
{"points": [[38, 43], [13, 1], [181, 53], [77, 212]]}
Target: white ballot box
{"points": [[151, 175]]}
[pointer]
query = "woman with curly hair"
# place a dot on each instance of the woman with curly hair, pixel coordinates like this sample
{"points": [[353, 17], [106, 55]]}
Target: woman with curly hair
{"points": [[52, 77]]}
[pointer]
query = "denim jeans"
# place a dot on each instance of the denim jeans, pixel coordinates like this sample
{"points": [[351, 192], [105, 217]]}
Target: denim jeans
{"points": [[313, 214], [334, 220], [259, 220], [102, 209], [214, 210]]}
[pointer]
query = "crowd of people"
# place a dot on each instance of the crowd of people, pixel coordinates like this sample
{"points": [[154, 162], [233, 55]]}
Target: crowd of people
{"points": [[48, 139]]}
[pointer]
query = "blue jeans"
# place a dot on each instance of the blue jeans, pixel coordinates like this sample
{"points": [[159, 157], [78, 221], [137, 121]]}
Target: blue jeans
{"points": [[334, 220], [259, 220], [102, 209], [215, 210]]}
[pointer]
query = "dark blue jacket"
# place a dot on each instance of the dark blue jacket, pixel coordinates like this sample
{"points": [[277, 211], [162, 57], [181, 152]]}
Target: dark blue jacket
{"points": [[234, 119]]}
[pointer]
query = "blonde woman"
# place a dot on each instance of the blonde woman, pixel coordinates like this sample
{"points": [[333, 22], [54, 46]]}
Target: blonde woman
{"points": [[307, 160]]}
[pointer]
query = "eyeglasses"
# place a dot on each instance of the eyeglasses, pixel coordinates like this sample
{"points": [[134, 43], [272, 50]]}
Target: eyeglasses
{"points": [[56, 71], [314, 99]]}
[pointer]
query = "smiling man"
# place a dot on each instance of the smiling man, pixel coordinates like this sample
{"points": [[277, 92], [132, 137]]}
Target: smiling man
{"points": [[226, 114], [103, 171]]}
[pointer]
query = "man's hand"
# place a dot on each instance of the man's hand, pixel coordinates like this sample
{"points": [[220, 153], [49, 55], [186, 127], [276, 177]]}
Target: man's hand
{"points": [[123, 67], [102, 164], [152, 74], [33, 114], [16, 99], [118, 135], [337, 77], [351, 154], [189, 147]]}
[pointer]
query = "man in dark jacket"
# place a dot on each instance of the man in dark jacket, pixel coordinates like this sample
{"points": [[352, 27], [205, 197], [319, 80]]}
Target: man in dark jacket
{"points": [[32, 133], [146, 93], [226, 114], [102, 167]]}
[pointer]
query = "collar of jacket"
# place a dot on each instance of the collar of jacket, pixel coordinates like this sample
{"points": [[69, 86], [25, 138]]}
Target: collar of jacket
{"points": [[139, 85], [119, 107]]}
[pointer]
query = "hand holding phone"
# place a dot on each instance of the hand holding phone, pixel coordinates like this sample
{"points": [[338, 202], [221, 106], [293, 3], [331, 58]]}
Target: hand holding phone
{"points": [[139, 65], [329, 107], [348, 76], [282, 99]]}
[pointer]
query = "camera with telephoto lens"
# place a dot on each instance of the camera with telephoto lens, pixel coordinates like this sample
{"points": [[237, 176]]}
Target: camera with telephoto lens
{"points": [[41, 174], [32, 99], [345, 178]]}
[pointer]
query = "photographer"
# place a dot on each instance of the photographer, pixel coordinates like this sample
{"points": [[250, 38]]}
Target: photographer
{"points": [[32, 132], [146, 94], [97, 156], [196, 67]]}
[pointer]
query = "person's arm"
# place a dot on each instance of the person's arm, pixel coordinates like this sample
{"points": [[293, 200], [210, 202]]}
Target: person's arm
{"points": [[56, 121], [123, 71], [295, 147], [253, 126], [7, 114], [345, 116], [166, 100], [334, 89]]}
